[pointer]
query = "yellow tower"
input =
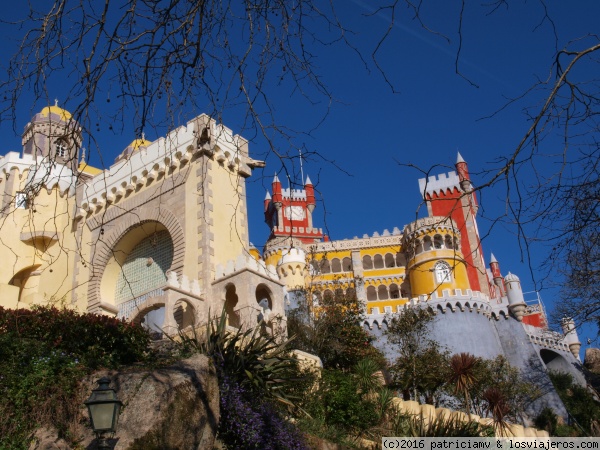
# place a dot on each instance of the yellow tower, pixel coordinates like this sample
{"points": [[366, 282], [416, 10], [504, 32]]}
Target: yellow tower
{"points": [[434, 260]]}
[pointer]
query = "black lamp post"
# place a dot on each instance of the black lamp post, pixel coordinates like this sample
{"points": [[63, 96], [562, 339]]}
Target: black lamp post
{"points": [[104, 406]]}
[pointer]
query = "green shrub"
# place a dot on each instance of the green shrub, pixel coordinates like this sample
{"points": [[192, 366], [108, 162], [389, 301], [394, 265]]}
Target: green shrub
{"points": [[579, 402], [44, 353], [96, 339], [339, 403]]}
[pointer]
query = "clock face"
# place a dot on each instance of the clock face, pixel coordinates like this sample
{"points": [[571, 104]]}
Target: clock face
{"points": [[294, 212]]}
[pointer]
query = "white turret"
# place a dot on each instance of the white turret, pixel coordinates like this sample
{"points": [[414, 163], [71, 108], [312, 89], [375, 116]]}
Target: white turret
{"points": [[568, 327], [516, 301], [291, 268]]}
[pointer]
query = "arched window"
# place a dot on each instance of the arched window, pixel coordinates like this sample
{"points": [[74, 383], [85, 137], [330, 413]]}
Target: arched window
{"points": [[394, 291], [325, 266], [327, 294], [427, 243], [389, 260], [378, 261], [367, 262], [351, 293], [418, 246], [448, 242], [382, 292], [443, 272], [371, 293], [400, 259], [336, 265], [339, 293], [347, 265], [438, 241]]}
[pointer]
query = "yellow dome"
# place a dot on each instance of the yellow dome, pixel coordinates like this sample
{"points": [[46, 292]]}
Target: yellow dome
{"points": [[64, 115], [137, 143]]}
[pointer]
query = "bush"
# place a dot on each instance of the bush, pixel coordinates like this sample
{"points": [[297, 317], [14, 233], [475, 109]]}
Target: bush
{"points": [[44, 353], [339, 403], [95, 339]]}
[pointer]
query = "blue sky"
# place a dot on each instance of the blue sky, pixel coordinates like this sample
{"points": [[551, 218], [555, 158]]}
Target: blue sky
{"points": [[357, 156]]}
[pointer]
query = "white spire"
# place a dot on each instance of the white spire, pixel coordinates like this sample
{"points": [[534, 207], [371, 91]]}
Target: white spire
{"points": [[493, 259], [459, 158], [308, 180], [276, 179], [268, 196]]}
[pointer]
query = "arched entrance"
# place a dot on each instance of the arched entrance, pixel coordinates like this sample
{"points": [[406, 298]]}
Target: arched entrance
{"points": [[555, 362], [137, 269]]}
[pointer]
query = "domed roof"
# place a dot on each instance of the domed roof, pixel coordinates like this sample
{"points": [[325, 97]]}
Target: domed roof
{"points": [[64, 115], [511, 277], [138, 143]]}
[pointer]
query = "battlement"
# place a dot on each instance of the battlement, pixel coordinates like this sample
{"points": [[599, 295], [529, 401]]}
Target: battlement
{"points": [[243, 262], [439, 184], [13, 160], [293, 194], [161, 157]]}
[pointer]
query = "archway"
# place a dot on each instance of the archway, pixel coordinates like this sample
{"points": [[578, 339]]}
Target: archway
{"points": [[138, 265], [555, 362], [231, 301]]}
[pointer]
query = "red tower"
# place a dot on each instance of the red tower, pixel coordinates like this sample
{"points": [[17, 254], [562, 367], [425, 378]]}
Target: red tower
{"points": [[452, 195], [288, 212]]}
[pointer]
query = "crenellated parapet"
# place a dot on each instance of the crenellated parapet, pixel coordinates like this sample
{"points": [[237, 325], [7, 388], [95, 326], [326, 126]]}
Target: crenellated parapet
{"points": [[439, 184], [161, 158], [430, 226], [243, 262]]}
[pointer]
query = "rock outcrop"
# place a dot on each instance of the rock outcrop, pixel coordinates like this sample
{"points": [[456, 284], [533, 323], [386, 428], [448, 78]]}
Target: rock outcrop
{"points": [[172, 407]]}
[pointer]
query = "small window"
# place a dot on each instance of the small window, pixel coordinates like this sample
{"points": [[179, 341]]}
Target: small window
{"points": [[21, 200], [443, 272], [61, 150]]}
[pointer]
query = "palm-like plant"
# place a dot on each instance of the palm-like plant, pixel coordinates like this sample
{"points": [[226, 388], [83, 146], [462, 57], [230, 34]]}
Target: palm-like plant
{"points": [[462, 375], [255, 360], [497, 406]]}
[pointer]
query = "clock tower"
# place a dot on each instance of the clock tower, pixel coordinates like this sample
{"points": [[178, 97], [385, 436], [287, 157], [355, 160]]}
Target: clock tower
{"points": [[288, 212]]}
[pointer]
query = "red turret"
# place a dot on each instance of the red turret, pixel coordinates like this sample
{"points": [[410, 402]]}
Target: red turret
{"points": [[497, 276], [276, 187], [289, 212], [267, 201], [310, 194], [452, 195]]}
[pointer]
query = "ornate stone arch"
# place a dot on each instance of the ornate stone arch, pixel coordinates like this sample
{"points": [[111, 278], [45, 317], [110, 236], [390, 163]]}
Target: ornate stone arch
{"points": [[106, 242]]}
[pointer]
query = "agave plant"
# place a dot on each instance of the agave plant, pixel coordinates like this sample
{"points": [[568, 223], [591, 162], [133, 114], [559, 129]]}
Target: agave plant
{"points": [[255, 360]]}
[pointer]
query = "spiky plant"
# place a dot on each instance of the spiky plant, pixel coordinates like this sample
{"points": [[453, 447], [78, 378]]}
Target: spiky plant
{"points": [[254, 360], [462, 375], [409, 425], [497, 406], [365, 372]]}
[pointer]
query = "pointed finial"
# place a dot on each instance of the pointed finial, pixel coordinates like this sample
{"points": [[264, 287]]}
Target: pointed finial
{"points": [[56, 102], [82, 153], [268, 196], [493, 259], [459, 158], [143, 136], [276, 179], [308, 181]]}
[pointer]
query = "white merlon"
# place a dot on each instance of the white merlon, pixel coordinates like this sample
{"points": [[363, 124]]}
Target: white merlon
{"points": [[439, 184], [243, 262], [293, 194], [40, 173], [183, 283], [170, 152]]}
